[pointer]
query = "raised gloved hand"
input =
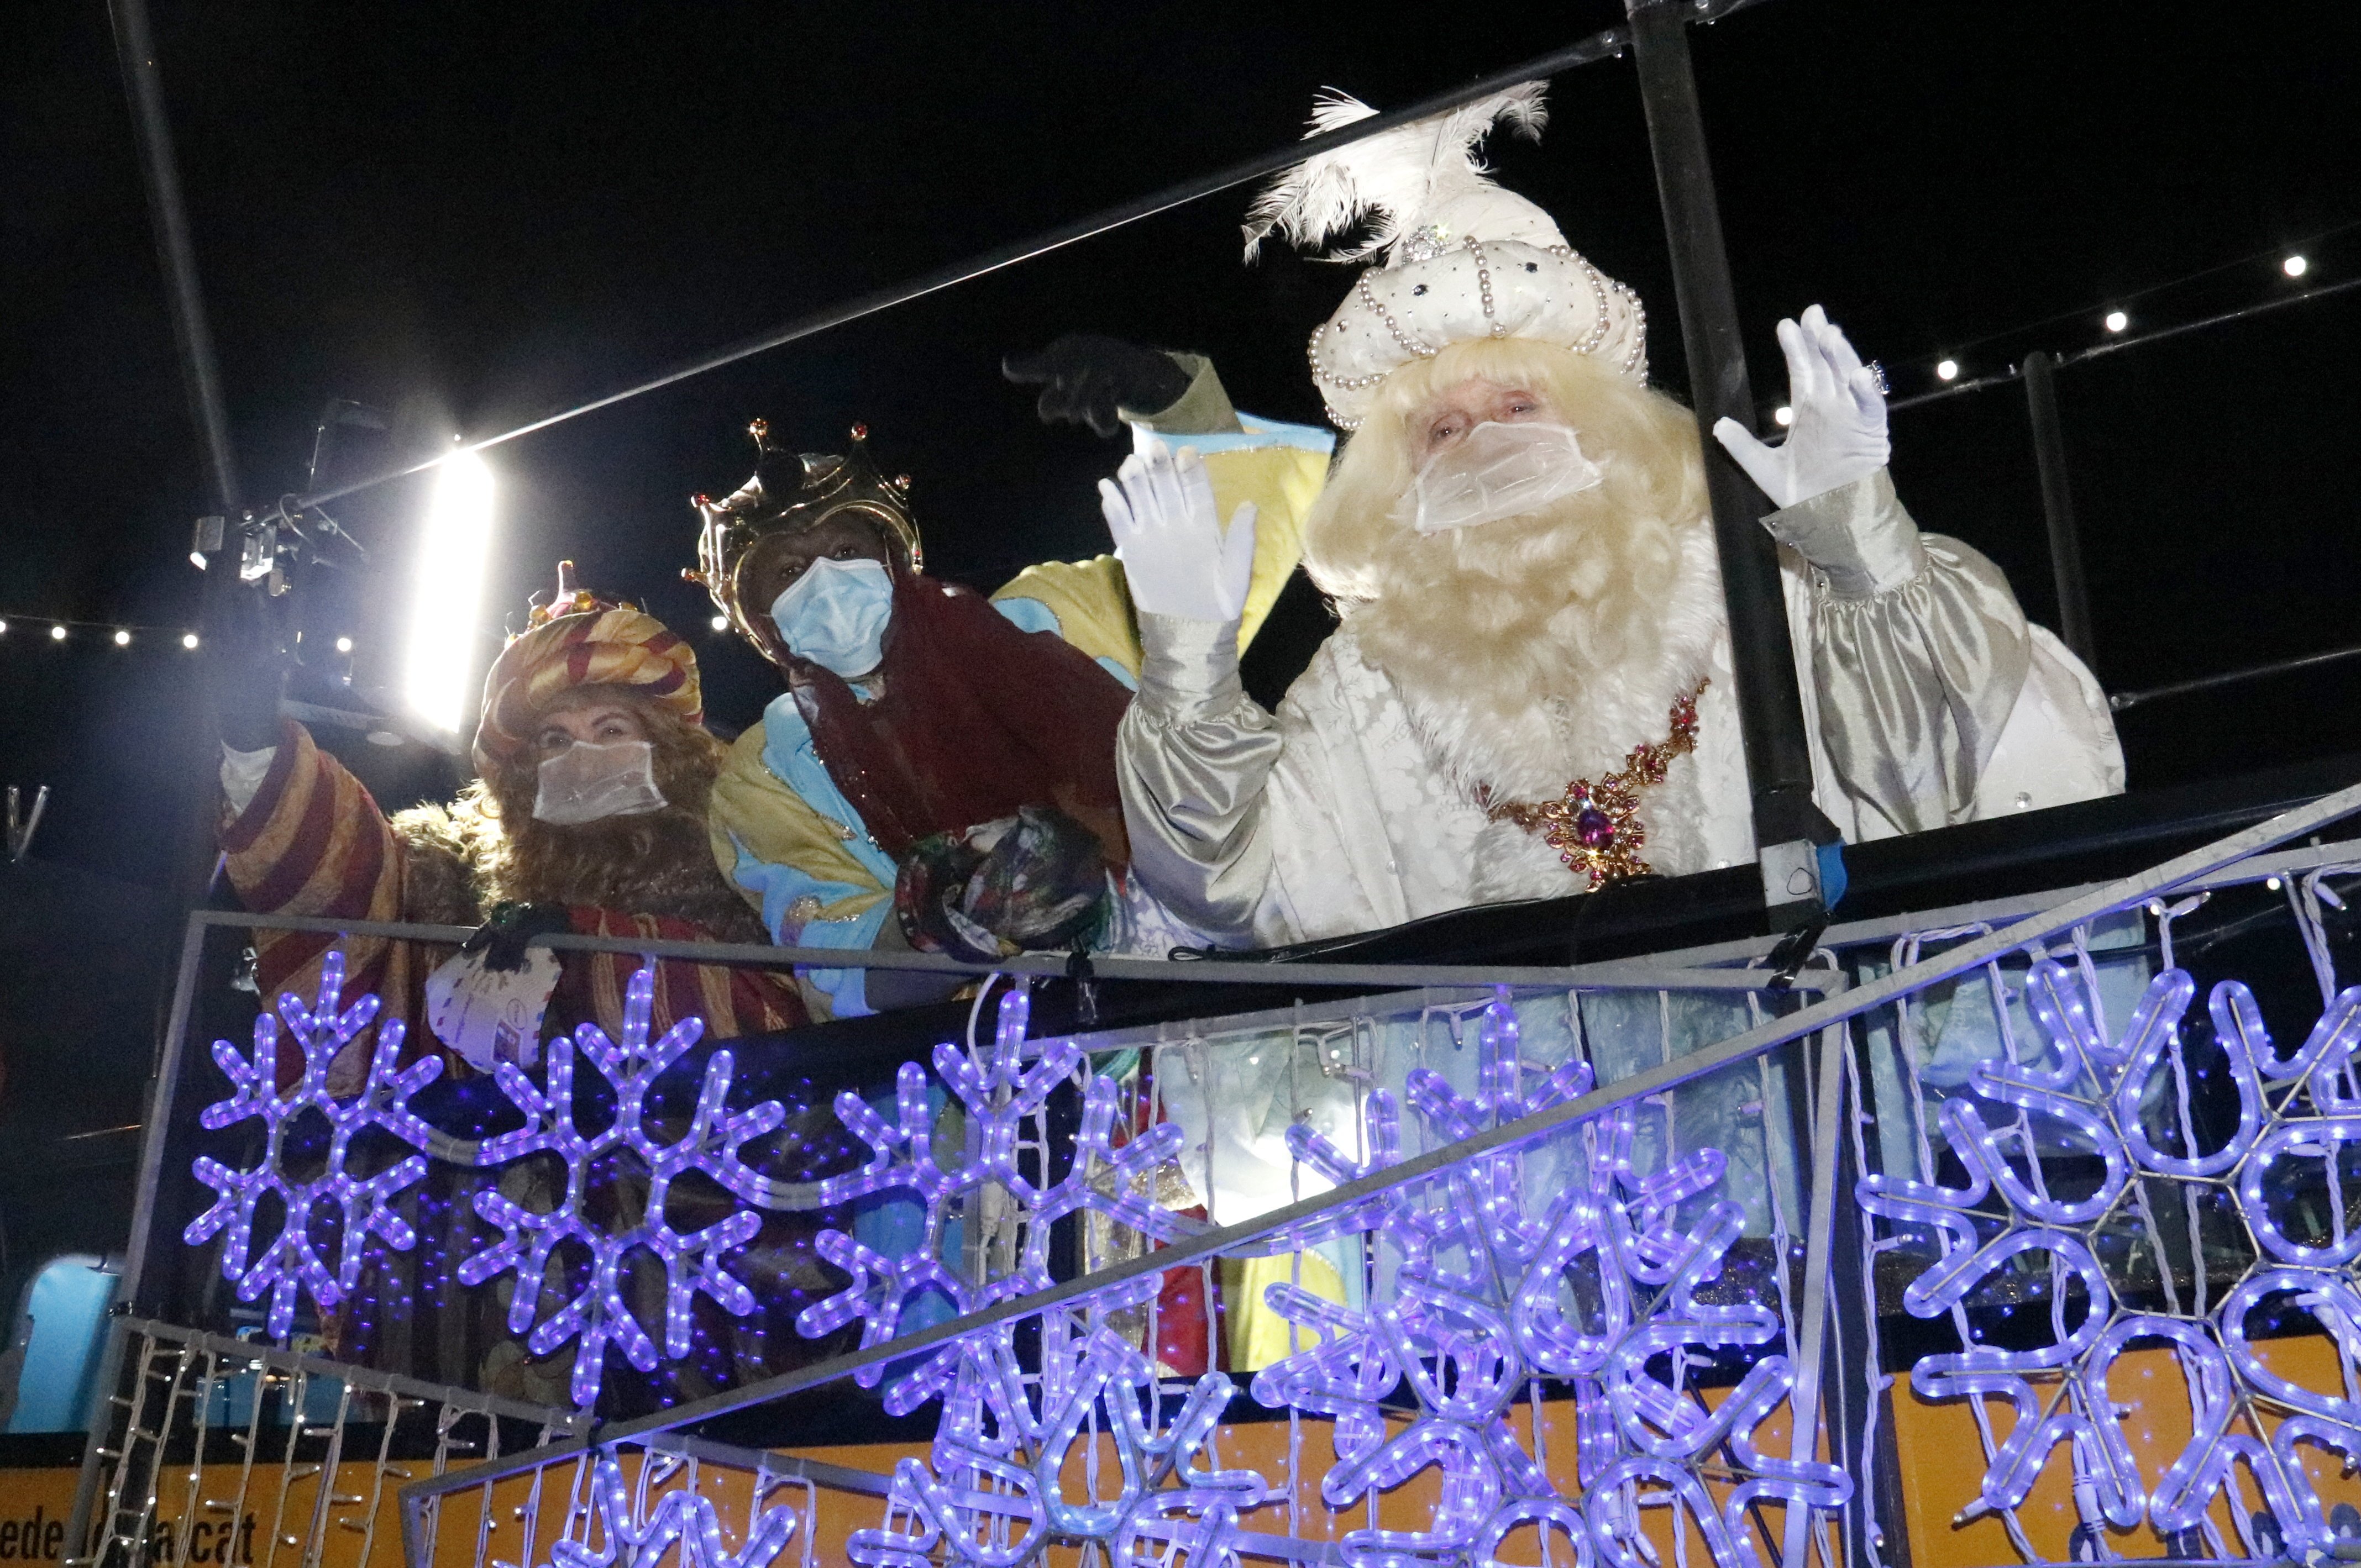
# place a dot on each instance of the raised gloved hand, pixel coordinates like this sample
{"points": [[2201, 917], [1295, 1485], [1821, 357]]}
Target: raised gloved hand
{"points": [[244, 671], [1168, 533], [1086, 378], [1838, 433]]}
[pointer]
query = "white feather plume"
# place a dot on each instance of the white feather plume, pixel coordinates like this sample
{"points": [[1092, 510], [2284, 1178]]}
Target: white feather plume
{"points": [[1388, 178]]}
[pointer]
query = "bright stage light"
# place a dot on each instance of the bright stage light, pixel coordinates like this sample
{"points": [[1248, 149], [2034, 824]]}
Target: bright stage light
{"points": [[1784, 414], [2117, 320], [57, 633], [446, 591], [2295, 267], [1947, 370], [188, 640], [122, 638]]}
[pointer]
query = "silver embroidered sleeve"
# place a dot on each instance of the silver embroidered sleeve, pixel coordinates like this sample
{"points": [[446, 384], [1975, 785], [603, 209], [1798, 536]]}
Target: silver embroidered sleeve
{"points": [[1193, 758], [1917, 652]]}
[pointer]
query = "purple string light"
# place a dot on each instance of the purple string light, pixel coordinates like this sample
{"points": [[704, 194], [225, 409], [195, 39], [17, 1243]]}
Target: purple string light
{"points": [[637, 1534], [1480, 1308], [292, 1265], [598, 1315], [998, 1087], [2290, 1113]]}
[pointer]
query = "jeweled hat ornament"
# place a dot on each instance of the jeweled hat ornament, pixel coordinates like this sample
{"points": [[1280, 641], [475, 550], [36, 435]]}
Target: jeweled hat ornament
{"points": [[1458, 257], [792, 491]]}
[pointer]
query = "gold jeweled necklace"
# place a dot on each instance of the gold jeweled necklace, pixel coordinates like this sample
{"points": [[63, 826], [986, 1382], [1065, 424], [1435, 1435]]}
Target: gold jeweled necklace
{"points": [[1596, 828]]}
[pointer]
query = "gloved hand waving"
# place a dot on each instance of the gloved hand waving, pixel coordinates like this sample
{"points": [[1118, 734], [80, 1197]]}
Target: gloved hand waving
{"points": [[1160, 505], [244, 671], [1086, 378], [1838, 433]]}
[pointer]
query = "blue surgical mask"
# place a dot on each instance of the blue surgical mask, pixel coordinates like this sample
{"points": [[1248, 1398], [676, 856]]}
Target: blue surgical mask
{"points": [[835, 615]]}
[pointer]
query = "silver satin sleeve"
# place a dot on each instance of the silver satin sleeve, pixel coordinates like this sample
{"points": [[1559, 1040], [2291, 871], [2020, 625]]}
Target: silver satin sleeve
{"points": [[1918, 651], [1193, 758]]}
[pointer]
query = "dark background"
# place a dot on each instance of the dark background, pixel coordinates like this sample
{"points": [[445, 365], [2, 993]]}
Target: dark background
{"points": [[469, 215]]}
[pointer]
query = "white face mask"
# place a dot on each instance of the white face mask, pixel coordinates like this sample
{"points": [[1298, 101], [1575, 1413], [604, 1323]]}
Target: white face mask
{"points": [[586, 782], [1501, 470]]}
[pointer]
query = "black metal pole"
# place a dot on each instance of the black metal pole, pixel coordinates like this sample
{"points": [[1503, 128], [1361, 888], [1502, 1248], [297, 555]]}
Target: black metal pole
{"points": [[2058, 507], [1770, 707], [200, 373]]}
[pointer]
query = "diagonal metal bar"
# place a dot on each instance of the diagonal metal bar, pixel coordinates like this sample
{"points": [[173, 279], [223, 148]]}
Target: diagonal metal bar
{"points": [[1603, 45], [1968, 956]]}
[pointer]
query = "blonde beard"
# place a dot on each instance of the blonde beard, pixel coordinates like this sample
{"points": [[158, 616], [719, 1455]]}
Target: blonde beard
{"points": [[1538, 648]]}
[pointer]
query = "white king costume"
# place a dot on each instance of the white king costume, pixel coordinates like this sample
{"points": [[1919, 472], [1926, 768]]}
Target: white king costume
{"points": [[1530, 691]]}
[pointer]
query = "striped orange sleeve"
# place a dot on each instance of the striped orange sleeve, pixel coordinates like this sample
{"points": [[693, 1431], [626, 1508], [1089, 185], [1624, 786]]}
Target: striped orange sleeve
{"points": [[313, 841]]}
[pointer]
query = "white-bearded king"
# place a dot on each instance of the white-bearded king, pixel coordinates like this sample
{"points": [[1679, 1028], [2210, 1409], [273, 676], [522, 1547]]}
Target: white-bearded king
{"points": [[1530, 693]]}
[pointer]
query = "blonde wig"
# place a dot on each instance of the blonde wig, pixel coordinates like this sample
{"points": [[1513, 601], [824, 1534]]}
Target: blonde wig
{"points": [[1509, 615]]}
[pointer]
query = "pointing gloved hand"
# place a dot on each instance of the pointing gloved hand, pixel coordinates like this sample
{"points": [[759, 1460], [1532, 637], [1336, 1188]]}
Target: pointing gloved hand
{"points": [[1159, 506], [1086, 378], [1838, 433]]}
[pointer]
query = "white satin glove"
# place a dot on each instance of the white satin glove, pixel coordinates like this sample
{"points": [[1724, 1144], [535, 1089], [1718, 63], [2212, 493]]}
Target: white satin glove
{"points": [[1838, 433], [1168, 532]]}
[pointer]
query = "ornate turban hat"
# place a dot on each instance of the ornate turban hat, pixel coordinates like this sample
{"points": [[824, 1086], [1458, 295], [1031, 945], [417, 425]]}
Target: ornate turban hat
{"points": [[790, 492], [1458, 257], [577, 639]]}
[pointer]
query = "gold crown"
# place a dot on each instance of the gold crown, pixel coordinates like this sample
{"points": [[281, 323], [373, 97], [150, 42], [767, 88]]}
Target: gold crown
{"points": [[792, 491]]}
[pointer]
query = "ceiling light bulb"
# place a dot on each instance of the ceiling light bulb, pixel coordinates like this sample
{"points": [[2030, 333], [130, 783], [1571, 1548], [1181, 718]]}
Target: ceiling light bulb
{"points": [[2117, 320], [1784, 414], [1946, 370], [2295, 267]]}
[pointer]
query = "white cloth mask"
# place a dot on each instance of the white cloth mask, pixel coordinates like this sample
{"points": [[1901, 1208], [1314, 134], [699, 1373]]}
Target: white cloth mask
{"points": [[586, 782], [1501, 470]]}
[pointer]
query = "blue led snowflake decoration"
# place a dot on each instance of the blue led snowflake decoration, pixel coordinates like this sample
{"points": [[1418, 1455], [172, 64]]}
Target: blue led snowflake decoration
{"points": [[1486, 1299], [293, 1265], [1001, 1486], [598, 1315], [632, 1534], [999, 1088], [2291, 1112]]}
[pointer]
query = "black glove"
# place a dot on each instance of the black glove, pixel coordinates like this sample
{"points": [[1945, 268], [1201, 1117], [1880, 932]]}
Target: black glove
{"points": [[1086, 378], [244, 671]]}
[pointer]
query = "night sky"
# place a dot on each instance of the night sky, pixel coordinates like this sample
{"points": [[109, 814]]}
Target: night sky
{"points": [[471, 215]]}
